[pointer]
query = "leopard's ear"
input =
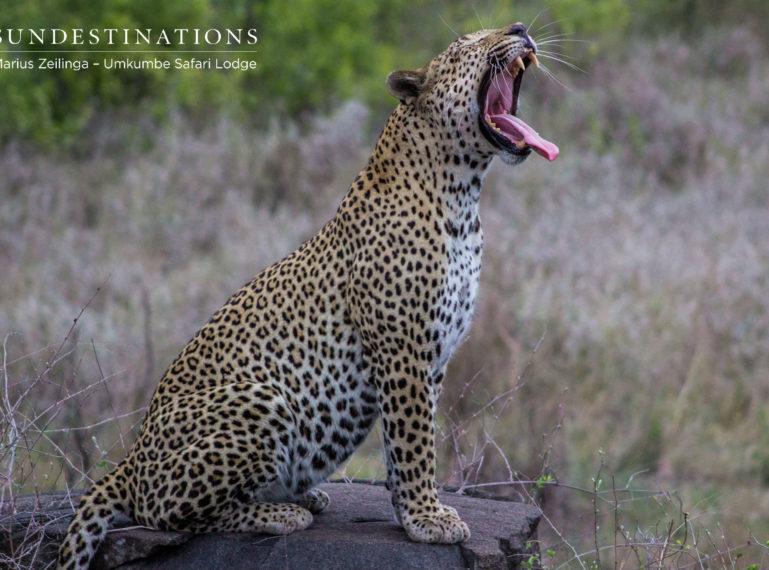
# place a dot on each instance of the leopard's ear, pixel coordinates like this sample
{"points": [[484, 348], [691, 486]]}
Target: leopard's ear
{"points": [[406, 85]]}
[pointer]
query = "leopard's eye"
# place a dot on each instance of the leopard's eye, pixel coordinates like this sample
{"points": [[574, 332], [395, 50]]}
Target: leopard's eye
{"points": [[473, 38]]}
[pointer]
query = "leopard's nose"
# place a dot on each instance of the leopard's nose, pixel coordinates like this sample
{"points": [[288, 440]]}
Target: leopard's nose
{"points": [[520, 30]]}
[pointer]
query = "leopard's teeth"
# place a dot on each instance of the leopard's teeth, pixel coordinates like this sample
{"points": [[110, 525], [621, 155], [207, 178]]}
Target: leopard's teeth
{"points": [[493, 125], [519, 64], [521, 144], [533, 59]]}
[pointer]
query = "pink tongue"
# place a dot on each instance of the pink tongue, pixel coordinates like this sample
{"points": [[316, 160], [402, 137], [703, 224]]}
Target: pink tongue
{"points": [[515, 129]]}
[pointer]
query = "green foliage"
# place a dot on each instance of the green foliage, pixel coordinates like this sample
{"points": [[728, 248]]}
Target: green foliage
{"points": [[320, 48], [309, 53], [544, 479], [606, 19], [531, 562], [591, 17], [694, 16], [53, 104]]}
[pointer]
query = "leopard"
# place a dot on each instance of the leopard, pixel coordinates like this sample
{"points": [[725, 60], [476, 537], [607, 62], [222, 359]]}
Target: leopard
{"points": [[289, 376]]}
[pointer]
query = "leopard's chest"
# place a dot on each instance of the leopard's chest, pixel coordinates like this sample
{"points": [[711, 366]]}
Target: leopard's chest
{"points": [[459, 291]]}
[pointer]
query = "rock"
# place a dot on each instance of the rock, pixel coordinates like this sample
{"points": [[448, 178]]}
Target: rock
{"points": [[357, 530]]}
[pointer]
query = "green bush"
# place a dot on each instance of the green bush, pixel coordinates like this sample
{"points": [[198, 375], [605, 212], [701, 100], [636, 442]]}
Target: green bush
{"points": [[591, 17], [308, 53]]}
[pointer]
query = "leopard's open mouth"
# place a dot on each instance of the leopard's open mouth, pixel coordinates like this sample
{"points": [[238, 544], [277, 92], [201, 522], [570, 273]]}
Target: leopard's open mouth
{"points": [[498, 100]]}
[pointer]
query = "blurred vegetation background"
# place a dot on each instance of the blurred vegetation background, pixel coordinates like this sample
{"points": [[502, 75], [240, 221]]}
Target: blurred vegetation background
{"points": [[312, 54], [637, 263]]}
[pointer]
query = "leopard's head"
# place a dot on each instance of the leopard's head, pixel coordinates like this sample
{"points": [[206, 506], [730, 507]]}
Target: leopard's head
{"points": [[470, 93]]}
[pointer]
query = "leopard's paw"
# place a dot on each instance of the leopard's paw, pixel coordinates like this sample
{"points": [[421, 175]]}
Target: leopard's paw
{"points": [[314, 501], [443, 526], [283, 518]]}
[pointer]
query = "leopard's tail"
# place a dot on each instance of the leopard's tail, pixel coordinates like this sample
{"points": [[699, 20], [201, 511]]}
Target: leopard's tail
{"points": [[93, 517]]}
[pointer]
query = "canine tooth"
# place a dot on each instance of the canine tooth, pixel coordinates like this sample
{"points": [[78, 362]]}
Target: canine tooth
{"points": [[519, 63], [533, 59], [521, 144]]}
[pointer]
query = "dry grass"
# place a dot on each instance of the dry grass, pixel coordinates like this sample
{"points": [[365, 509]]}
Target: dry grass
{"points": [[637, 264]]}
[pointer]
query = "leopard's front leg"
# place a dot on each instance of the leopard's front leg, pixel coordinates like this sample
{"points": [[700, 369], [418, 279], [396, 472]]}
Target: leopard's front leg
{"points": [[407, 402]]}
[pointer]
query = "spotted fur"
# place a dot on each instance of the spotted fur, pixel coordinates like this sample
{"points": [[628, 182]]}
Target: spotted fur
{"points": [[288, 377]]}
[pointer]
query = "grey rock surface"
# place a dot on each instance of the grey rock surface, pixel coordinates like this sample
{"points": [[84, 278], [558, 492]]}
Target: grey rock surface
{"points": [[357, 531]]}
